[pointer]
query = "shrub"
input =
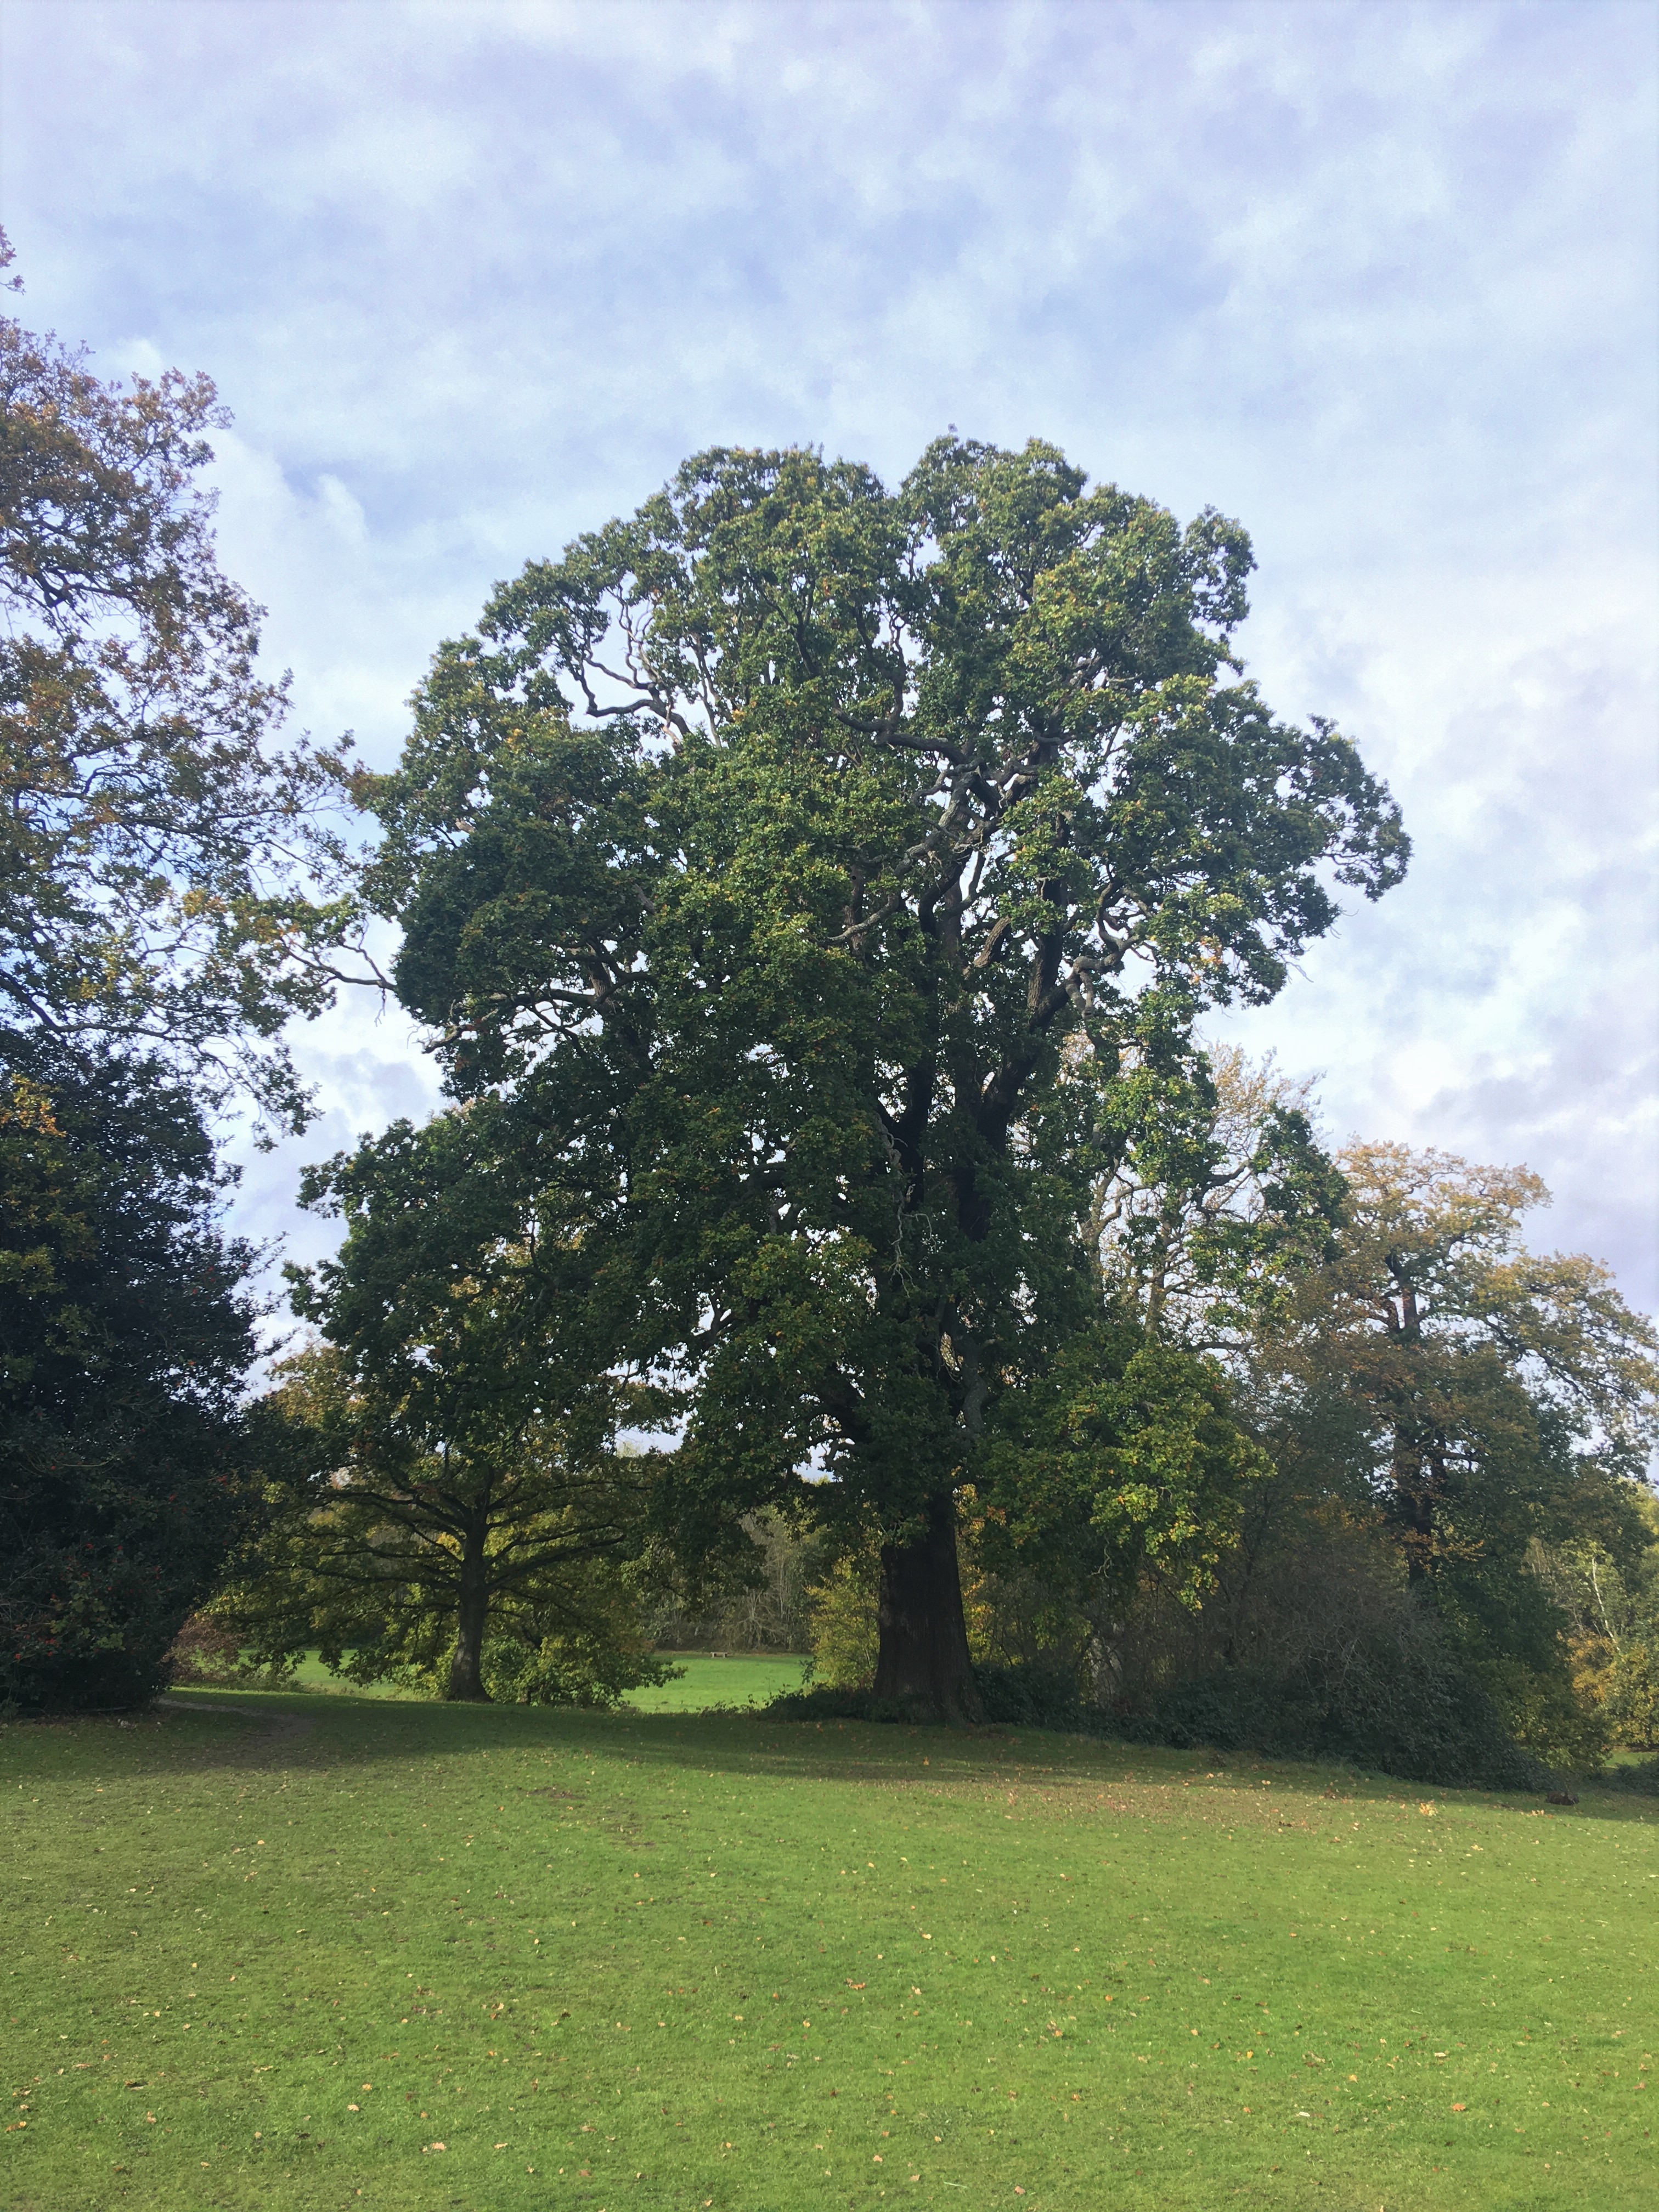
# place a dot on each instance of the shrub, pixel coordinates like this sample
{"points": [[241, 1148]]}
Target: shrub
{"points": [[842, 1618], [203, 1650], [570, 1669]]}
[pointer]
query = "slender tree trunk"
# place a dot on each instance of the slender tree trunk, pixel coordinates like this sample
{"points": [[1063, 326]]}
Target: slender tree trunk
{"points": [[467, 1667], [924, 1638]]}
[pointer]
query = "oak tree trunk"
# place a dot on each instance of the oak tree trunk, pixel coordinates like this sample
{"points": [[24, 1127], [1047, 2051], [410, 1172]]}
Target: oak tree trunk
{"points": [[923, 1656], [467, 1667]]}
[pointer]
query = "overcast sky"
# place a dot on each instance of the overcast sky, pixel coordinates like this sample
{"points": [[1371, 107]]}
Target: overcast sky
{"points": [[1378, 279]]}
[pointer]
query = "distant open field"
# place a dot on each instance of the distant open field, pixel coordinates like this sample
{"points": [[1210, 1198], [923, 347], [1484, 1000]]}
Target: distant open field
{"points": [[709, 1680], [738, 1678], [322, 1952]]}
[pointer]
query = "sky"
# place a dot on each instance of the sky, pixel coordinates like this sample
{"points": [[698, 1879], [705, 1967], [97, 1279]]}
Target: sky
{"points": [[1378, 279]]}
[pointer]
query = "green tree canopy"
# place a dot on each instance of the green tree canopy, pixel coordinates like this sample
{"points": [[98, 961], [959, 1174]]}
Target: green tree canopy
{"points": [[1476, 1417], [1498, 1398], [767, 855], [452, 1483]]}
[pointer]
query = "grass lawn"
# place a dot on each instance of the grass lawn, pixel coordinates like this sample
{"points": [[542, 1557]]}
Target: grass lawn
{"points": [[744, 1678], [396, 1954]]}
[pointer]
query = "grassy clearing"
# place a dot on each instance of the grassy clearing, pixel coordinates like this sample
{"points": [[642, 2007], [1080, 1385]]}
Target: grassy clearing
{"points": [[410, 1955], [311, 1674], [708, 1682]]}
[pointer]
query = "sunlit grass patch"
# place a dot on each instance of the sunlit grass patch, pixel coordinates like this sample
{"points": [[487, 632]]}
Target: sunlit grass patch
{"points": [[710, 1681]]}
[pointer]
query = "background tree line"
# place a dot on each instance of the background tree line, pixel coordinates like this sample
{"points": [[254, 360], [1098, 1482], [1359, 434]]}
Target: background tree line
{"points": [[813, 893]]}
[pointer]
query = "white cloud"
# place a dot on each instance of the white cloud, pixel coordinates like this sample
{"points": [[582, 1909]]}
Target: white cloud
{"points": [[1378, 279]]}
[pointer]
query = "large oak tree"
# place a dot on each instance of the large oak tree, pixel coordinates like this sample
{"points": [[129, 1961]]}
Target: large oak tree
{"points": [[770, 857]]}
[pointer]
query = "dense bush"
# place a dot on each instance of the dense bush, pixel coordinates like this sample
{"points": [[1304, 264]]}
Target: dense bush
{"points": [[574, 1639], [1403, 1704], [125, 1339], [1011, 1696]]}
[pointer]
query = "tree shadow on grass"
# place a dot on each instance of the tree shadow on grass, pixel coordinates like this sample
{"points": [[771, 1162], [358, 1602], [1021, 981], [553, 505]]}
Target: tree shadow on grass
{"points": [[324, 1731]]}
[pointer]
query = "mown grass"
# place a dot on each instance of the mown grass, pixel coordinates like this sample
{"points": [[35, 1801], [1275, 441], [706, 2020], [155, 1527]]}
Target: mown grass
{"points": [[424, 1956], [712, 1679]]}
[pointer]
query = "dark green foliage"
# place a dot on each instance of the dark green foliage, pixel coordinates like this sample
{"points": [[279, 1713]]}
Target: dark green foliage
{"points": [[1038, 1696], [1315, 1644], [1016, 1697], [792, 869], [1403, 1703], [126, 1336], [453, 1473]]}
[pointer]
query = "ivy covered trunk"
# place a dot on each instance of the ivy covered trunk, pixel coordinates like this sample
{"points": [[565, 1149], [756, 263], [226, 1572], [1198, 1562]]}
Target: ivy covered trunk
{"points": [[923, 1655]]}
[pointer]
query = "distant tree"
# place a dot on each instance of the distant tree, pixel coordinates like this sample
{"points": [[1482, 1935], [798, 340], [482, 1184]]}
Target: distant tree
{"points": [[1610, 1606], [756, 1596], [1214, 1201], [126, 1335], [159, 853], [453, 1500], [1504, 1393], [767, 855]]}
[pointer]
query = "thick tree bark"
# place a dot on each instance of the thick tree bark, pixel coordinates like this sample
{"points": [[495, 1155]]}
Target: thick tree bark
{"points": [[1417, 1484], [923, 1655], [467, 1667]]}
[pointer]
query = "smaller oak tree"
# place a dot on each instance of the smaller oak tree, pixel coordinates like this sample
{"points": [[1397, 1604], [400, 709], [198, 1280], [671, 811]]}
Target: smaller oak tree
{"points": [[453, 1499]]}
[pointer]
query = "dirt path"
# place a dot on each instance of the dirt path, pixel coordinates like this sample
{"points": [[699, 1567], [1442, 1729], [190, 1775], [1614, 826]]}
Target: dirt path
{"points": [[277, 1733]]}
